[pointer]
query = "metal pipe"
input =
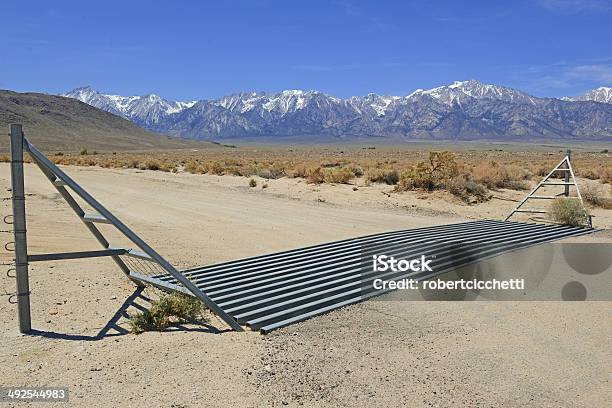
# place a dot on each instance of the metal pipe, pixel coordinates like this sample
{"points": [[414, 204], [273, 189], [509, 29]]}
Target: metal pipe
{"points": [[567, 175], [59, 256], [19, 230]]}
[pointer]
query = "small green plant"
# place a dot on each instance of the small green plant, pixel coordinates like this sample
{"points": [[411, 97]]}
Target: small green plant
{"points": [[252, 183], [569, 211], [170, 310]]}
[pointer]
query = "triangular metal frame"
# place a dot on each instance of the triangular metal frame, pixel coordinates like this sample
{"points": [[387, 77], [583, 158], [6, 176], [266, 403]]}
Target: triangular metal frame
{"points": [[62, 182], [565, 166]]}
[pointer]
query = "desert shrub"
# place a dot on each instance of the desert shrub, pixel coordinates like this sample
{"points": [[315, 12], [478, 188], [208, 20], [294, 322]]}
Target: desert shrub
{"points": [[606, 175], [356, 170], [298, 171], [315, 175], [264, 185], [589, 174], [171, 309], [216, 167], [430, 175], [390, 177], [493, 176], [4, 158], [335, 175], [167, 167], [191, 166], [568, 211], [542, 171], [595, 196], [270, 173], [86, 161], [468, 190], [84, 152], [252, 183], [152, 164]]}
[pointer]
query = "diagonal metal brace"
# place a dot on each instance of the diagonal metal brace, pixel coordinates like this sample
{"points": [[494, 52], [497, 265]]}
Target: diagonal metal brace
{"points": [[42, 160]]}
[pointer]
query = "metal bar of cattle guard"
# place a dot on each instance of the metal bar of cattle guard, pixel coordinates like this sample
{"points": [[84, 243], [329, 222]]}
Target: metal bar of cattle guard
{"points": [[43, 160], [19, 229]]}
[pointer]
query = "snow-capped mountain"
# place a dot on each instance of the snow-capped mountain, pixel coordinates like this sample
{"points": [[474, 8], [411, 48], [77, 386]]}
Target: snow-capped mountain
{"points": [[462, 110], [461, 91], [601, 94], [146, 111]]}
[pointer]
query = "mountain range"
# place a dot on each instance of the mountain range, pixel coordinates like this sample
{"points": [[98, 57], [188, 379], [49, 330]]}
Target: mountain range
{"points": [[464, 110]]}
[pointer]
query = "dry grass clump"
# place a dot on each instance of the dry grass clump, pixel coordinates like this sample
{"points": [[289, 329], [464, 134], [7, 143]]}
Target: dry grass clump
{"points": [[606, 175], [468, 190], [4, 158], [596, 197], [375, 175], [315, 175], [442, 172], [494, 176], [332, 175], [591, 174], [568, 211], [338, 175], [152, 164], [170, 310]]}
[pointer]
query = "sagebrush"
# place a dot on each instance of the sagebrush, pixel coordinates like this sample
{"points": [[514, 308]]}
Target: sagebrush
{"points": [[169, 310]]}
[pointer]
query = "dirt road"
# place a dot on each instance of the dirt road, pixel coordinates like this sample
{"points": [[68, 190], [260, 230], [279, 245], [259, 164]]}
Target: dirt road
{"points": [[371, 354]]}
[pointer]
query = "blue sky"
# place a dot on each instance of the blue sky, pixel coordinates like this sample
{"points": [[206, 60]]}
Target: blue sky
{"points": [[198, 49]]}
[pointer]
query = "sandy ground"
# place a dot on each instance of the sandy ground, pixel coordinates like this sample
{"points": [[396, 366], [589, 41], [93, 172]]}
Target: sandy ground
{"points": [[373, 354]]}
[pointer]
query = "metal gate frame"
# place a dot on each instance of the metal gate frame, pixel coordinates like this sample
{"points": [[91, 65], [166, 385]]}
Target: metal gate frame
{"points": [[62, 183], [564, 166]]}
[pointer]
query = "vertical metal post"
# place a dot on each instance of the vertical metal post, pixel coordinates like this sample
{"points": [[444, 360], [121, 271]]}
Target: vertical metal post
{"points": [[567, 173], [19, 229]]}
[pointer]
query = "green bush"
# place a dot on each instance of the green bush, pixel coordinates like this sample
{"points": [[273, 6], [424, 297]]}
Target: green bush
{"points": [[568, 211], [171, 309]]}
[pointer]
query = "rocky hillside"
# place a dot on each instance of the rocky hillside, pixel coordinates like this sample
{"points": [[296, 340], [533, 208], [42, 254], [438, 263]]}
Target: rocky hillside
{"points": [[59, 123]]}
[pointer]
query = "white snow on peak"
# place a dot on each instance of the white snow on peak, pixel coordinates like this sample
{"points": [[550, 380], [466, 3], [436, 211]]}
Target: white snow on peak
{"points": [[417, 92], [602, 94], [150, 106]]}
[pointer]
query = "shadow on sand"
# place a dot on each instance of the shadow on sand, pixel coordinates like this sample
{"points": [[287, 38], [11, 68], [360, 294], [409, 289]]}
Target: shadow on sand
{"points": [[113, 329]]}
